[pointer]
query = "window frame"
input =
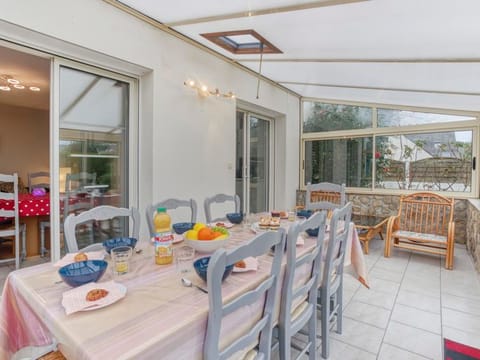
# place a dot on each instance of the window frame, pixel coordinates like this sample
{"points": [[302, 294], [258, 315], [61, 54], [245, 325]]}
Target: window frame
{"points": [[464, 125]]}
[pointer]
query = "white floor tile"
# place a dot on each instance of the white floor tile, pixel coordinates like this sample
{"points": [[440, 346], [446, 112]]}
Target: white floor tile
{"points": [[374, 297], [367, 313], [419, 301], [342, 351], [461, 303], [460, 320], [386, 274], [463, 337], [414, 340], [390, 352], [383, 286], [417, 318], [360, 335]]}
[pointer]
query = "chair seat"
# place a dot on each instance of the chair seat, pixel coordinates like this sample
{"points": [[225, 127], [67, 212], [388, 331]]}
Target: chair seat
{"points": [[416, 236]]}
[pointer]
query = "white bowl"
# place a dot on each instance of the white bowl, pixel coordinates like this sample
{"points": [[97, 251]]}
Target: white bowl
{"points": [[206, 246]]}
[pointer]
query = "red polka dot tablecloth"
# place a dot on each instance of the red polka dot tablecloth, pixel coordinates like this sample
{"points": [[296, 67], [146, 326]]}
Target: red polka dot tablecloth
{"points": [[29, 205]]}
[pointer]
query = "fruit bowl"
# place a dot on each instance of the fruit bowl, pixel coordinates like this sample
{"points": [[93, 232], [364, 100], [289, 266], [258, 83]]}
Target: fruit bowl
{"points": [[201, 267], [207, 246], [235, 218], [83, 272], [181, 227]]}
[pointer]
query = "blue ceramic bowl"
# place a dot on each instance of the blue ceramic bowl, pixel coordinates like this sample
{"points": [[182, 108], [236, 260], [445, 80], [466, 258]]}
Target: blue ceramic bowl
{"points": [[83, 272], [312, 232], [305, 213], [235, 218], [121, 241], [181, 227], [201, 266]]}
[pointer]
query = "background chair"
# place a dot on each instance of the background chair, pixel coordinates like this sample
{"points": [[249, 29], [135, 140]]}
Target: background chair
{"points": [[298, 305], [330, 293], [218, 199], [260, 332], [9, 220], [72, 202], [98, 213], [40, 179], [325, 196], [169, 204]]}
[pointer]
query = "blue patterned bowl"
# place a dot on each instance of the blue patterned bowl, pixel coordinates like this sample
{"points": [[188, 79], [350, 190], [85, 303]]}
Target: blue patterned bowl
{"points": [[83, 272], [201, 266], [235, 218], [312, 232], [305, 213], [181, 227], [120, 241]]}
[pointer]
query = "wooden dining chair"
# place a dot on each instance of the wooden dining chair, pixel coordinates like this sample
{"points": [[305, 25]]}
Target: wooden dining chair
{"points": [[330, 292], [256, 338], [298, 304], [99, 213], [39, 179], [170, 204], [9, 218], [325, 196], [218, 199]]}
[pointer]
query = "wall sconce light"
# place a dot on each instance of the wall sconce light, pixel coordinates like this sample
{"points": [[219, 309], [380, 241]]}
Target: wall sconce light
{"points": [[204, 91], [8, 83]]}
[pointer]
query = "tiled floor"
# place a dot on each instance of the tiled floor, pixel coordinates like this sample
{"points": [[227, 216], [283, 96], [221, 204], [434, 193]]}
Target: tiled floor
{"points": [[413, 303]]}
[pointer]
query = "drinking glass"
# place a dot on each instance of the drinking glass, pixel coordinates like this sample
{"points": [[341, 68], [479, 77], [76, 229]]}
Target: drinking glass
{"points": [[121, 259], [184, 259]]}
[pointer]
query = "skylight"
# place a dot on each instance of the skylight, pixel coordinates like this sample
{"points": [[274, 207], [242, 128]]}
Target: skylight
{"points": [[242, 42]]}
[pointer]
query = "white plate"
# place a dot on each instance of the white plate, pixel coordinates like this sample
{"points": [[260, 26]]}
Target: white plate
{"points": [[256, 228], [109, 299], [177, 238], [225, 224], [251, 264]]}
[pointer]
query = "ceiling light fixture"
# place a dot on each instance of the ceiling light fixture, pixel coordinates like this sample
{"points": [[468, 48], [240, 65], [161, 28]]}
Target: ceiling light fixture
{"points": [[204, 91], [9, 83]]}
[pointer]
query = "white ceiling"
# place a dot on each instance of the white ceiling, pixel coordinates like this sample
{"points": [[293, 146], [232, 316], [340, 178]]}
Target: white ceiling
{"points": [[387, 45]]}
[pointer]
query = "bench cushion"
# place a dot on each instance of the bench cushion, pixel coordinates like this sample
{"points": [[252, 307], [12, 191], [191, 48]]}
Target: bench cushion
{"points": [[420, 236]]}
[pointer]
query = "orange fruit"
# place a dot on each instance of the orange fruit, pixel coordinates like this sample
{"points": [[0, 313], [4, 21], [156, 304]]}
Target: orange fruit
{"points": [[205, 234]]}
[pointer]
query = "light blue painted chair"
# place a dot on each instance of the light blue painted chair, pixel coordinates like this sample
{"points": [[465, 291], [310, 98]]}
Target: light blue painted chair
{"points": [[169, 204], [255, 342], [330, 293], [298, 306], [219, 198]]}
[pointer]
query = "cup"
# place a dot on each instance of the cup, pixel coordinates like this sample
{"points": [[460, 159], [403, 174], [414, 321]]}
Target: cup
{"points": [[184, 256], [292, 215], [121, 259]]}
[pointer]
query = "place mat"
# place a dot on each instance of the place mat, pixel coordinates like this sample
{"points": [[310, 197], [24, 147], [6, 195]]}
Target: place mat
{"points": [[70, 257], [456, 351], [75, 299]]}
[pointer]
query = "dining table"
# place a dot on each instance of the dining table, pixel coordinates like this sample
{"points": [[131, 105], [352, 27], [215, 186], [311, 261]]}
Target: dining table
{"points": [[158, 318]]}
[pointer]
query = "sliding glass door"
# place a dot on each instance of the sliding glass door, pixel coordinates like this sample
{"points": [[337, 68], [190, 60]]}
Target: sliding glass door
{"points": [[253, 161]]}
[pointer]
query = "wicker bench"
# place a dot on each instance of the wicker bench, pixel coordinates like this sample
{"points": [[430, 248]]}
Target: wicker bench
{"points": [[424, 223]]}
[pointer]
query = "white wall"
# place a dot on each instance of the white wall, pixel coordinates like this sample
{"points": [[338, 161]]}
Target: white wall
{"points": [[186, 142]]}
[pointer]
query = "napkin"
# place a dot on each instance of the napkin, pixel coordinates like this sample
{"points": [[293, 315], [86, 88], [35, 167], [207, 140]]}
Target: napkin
{"points": [[300, 240], [70, 257], [251, 264], [75, 299]]}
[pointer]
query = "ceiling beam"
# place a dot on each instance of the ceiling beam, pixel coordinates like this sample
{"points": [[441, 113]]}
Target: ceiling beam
{"points": [[378, 61], [268, 11], [380, 88]]}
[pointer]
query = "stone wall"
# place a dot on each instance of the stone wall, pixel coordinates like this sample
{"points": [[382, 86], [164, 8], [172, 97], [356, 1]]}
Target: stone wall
{"points": [[473, 231], [387, 205]]}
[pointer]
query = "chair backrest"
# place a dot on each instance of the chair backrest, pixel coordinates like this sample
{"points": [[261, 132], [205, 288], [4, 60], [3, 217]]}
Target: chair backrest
{"points": [[99, 213], [11, 212], [76, 182], [294, 289], [169, 204], [426, 212], [219, 198], [40, 179], [261, 331], [325, 196], [337, 240]]}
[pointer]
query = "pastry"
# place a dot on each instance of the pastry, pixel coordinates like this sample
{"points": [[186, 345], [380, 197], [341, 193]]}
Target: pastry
{"points": [[81, 256], [264, 222], [274, 222], [240, 264], [96, 294]]}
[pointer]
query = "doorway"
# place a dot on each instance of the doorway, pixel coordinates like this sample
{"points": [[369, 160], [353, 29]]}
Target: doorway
{"points": [[253, 161]]}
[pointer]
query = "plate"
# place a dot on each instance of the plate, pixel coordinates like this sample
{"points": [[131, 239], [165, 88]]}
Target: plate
{"points": [[110, 299], [177, 238], [251, 264], [257, 229], [74, 300], [225, 224]]}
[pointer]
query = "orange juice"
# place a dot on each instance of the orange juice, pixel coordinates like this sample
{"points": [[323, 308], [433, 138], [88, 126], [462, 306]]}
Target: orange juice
{"points": [[163, 237]]}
